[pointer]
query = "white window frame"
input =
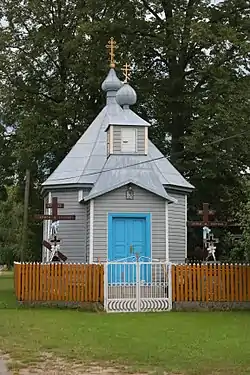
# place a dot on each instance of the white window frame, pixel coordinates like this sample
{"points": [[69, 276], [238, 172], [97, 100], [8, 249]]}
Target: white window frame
{"points": [[135, 133]]}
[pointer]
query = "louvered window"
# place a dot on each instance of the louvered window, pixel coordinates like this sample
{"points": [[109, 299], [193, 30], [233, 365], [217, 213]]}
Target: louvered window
{"points": [[128, 140]]}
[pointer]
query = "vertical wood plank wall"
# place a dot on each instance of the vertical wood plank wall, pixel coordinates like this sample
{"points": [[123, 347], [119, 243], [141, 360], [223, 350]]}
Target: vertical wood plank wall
{"points": [[85, 282], [211, 282], [59, 282]]}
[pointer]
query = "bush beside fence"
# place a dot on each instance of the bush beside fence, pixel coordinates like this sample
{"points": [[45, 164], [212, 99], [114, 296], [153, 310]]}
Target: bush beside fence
{"points": [[36, 282], [211, 283]]}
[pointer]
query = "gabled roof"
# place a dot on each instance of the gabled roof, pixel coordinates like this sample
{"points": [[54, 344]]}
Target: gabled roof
{"points": [[88, 158], [116, 173]]}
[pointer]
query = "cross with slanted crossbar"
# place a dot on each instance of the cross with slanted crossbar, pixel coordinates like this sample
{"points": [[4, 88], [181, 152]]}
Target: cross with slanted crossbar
{"points": [[55, 217]]}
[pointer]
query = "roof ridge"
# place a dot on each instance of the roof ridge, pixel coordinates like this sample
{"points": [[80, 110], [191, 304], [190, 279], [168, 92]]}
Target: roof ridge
{"points": [[154, 163], [94, 144]]}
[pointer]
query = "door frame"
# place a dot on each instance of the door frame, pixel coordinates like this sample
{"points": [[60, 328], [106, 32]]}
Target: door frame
{"points": [[130, 215]]}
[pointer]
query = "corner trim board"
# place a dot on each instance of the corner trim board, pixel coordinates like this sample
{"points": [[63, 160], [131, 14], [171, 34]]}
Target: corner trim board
{"points": [[91, 232], [146, 141], [80, 195], [111, 139], [48, 224], [167, 231]]}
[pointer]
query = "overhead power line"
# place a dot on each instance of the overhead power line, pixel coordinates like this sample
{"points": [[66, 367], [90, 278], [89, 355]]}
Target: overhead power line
{"points": [[149, 160]]}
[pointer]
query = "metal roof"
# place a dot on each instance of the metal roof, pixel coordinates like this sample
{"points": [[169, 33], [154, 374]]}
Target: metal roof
{"points": [[87, 162], [116, 173]]}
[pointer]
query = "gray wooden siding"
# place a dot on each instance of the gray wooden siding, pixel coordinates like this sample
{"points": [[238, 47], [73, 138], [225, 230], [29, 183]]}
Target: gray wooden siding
{"points": [[115, 201], [140, 139], [177, 230], [73, 234]]}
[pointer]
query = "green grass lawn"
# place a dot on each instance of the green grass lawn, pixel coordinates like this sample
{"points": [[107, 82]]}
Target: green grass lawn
{"points": [[179, 343]]}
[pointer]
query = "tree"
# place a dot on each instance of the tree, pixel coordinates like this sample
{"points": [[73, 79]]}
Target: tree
{"points": [[10, 228], [195, 56]]}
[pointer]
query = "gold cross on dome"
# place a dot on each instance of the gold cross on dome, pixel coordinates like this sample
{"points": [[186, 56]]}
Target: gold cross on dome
{"points": [[126, 72], [111, 47]]}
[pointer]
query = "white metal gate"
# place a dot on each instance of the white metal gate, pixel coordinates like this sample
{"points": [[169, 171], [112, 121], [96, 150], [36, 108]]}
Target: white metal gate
{"points": [[137, 286]]}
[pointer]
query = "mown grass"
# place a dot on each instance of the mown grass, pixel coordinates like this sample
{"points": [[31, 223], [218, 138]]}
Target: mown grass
{"points": [[183, 343]]}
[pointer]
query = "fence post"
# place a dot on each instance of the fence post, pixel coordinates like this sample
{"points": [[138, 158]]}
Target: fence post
{"points": [[106, 286], [137, 286], [170, 296]]}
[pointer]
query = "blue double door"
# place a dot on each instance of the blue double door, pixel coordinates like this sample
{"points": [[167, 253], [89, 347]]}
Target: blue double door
{"points": [[129, 241]]}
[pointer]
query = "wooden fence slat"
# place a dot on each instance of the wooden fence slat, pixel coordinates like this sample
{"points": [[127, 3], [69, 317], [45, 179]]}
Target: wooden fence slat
{"points": [[248, 282], [215, 283], [241, 282], [219, 283], [236, 281], [223, 281], [194, 293], [91, 283], [173, 282], [211, 282], [198, 282], [33, 295], [232, 282], [228, 289], [83, 283], [41, 287], [37, 274], [244, 282], [186, 282], [19, 281], [101, 283]]}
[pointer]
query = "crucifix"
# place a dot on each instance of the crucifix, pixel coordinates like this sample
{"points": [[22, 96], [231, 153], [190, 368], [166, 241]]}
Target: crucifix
{"points": [[111, 47], [206, 224], [126, 72], [55, 217], [210, 245]]}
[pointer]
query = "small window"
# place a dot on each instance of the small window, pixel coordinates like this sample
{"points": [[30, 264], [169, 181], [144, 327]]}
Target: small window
{"points": [[128, 140]]}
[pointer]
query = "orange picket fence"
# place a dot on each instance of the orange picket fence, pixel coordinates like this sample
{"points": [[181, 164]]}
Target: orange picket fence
{"points": [[37, 282], [211, 282]]}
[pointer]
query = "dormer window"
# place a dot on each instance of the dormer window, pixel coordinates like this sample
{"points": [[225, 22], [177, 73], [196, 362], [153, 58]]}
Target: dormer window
{"points": [[128, 140]]}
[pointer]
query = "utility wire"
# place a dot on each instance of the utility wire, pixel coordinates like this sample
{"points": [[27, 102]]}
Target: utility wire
{"points": [[150, 160]]}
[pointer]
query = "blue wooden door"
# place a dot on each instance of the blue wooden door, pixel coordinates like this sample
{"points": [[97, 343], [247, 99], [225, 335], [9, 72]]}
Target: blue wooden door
{"points": [[128, 240]]}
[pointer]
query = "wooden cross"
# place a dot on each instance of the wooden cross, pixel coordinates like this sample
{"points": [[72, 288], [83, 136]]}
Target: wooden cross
{"points": [[112, 46], [126, 72], [59, 256], [55, 216], [206, 212]]}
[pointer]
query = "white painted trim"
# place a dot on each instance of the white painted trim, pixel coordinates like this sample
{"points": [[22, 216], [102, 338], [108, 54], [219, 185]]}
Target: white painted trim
{"points": [[91, 231], [146, 140], [111, 139], [167, 231], [80, 195], [185, 226], [48, 225], [151, 235]]}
